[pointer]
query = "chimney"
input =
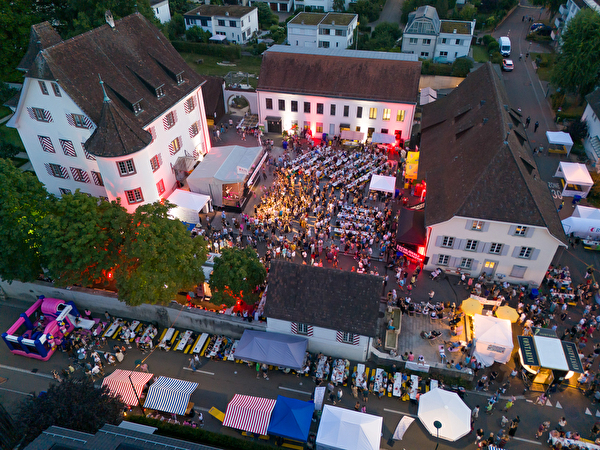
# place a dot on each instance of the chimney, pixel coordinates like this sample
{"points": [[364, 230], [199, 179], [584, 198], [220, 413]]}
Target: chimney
{"points": [[333, 22], [454, 31], [109, 19]]}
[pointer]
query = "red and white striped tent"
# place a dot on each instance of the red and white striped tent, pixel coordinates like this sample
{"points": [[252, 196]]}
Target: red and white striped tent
{"points": [[120, 382], [251, 414]]}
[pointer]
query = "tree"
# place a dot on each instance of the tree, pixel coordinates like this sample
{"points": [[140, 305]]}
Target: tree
{"points": [[468, 12], [159, 258], [74, 403], [180, 6], [175, 28], [339, 5], [384, 36], [367, 9], [266, 17], [9, 435], [577, 67], [551, 5], [461, 67], [82, 237], [236, 275], [578, 129], [24, 205], [441, 7], [197, 34]]}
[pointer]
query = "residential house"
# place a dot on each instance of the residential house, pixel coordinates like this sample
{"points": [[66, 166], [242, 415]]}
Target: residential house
{"points": [[330, 90], [319, 5], [567, 11], [428, 37], [161, 10], [118, 140], [487, 209], [231, 22], [331, 30], [338, 311], [277, 5], [591, 116]]}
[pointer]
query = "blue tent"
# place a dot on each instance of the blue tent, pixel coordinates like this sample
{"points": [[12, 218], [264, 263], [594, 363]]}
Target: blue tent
{"points": [[291, 418]]}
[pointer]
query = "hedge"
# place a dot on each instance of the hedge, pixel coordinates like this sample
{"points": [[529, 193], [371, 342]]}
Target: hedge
{"points": [[198, 435], [228, 52], [429, 68]]}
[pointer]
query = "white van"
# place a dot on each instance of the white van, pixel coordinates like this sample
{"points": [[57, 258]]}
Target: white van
{"points": [[504, 46]]}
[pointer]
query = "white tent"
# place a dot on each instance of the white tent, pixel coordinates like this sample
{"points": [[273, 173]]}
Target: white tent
{"points": [[189, 204], [383, 138], [448, 409], [223, 166], [560, 140], [427, 95], [493, 339], [576, 179], [383, 183], [584, 223], [344, 429]]}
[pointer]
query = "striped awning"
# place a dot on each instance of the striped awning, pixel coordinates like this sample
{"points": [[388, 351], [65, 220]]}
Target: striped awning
{"points": [[251, 414], [169, 395], [119, 383]]}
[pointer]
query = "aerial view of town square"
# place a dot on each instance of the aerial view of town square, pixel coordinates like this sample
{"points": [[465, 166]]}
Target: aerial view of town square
{"points": [[300, 224]]}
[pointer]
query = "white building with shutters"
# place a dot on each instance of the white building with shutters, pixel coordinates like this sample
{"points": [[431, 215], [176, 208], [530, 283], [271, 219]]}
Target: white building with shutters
{"points": [[118, 140]]}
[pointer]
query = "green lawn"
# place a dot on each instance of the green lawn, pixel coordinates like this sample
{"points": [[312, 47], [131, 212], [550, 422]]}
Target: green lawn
{"points": [[480, 53], [544, 70], [209, 66]]}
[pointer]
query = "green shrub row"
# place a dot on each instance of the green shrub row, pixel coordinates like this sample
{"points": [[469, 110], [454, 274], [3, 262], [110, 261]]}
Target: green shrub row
{"points": [[228, 52], [430, 68], [198, 435]]}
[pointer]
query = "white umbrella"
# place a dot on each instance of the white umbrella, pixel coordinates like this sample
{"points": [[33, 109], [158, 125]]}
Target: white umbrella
{"points": [[448, 409]]}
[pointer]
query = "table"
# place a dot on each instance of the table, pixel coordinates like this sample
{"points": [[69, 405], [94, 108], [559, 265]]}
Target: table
{"points": [[339, 368], [398, 380], [216, 347], [200, 343], [184, 340], [320, 372], [566, 442], [231, 353], [113, 328], [414, 387], [360, 376], [378, 379], [167, 337]]}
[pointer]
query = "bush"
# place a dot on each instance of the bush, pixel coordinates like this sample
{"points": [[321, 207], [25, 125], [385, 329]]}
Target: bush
{"points": [[228, 52], [197, 34], [8, 150], [461, 67], [496, 58], [198, 435], [6, 92], [430, 68], [488, 39], [493, 47]]}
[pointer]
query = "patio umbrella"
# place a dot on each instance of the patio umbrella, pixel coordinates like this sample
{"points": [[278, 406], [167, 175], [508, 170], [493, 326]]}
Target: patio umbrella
{"points": [[508, 313], [471, 306], [448, 409]]}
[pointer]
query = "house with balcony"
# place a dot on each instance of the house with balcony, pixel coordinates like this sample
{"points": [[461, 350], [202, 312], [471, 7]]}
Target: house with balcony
{"points": [[591, 116], [319, 5], [316, 30], [334, 90], [487, 209], [230, 22], [428, 37], [110, 111], [567, 11]]}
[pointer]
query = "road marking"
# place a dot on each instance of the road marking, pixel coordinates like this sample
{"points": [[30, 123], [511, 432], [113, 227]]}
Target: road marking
{"points": [[527, 440], [16, 369], [548, 403], [294, 390], [199, 408], [400, 412], [29, 394], [199, 371]]}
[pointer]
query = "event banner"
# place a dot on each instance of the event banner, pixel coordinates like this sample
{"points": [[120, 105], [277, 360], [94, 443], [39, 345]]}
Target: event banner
{"points": [[528, 351], [319, 397], [412, 165]]}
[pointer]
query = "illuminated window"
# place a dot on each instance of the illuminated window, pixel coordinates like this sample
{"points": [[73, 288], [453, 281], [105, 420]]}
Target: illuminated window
{"points": [[387, 113], [477, 225], [520, 231], [319, 127], [372, 113], [400, 115], [175, 146], [134, 196]]}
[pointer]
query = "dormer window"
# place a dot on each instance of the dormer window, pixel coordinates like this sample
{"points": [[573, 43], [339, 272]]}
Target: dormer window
{"points": [[179, 78], [137, 107], [160, 92]]}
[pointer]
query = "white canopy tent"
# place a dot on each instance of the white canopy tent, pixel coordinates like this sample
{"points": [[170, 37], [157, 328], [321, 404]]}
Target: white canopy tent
{"points": [[559, 140], [352, 135], [189, 204], [576, 179], [427, 95], [218, 37], [584, 223], [383, 183], [447, 408], [343, 429], [229, 165], [493, 339], [383, 138]]}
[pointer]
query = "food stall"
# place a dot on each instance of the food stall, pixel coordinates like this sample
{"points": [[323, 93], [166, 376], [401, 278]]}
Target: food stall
{"points": [[250, 414], [575, 179], [188, 205], [123, 382], [559, 142], [352, 136], [170, 395], [411, 234], [344, 429]]}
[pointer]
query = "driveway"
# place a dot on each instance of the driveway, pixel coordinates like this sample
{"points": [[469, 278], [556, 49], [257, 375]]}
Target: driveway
{"points": [[392, 11]]}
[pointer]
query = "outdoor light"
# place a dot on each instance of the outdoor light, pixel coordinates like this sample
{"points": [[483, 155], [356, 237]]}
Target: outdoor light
{"points": [[437, 424]]}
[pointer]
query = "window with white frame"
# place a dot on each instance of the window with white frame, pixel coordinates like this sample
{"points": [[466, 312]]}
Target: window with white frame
{"points": [[495, 248], [79, 120], [319, 127], [466, 263], [332, 110], [348, 338], [169, 120], [413, 41], [443, 260], [372, 113], [160, 92], [64, 191], [520, 230], [281, 104], [424, 54], [126, 167], [134, 196], [302, 328], [444, 54], [320, 108], [190, 105], [307, 107], [175, 146], [426, 41], [471, 245], [525, 252], [294, 105], [193, 130], [58, 171], [477, 225], [40, 115], [359, 110], [447, 241]]}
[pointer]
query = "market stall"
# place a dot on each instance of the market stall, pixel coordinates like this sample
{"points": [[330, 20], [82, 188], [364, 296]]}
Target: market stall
{"points": [[251, 414], [559, 142], [170, 395], [383, 184], [348, 135], [583, 223], [291, 418], [383, 138], [343, 429], [448, 409], [276, 349], [575, 179], [411, 234], [122, 383], [188, 205], [493, 339], [226, 175]]}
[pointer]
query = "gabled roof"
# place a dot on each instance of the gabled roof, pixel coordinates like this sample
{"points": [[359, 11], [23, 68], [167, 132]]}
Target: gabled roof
{"points": [[593, 100], [41, 36], [133, 59], [323, 297], [234, 11], [212, 92], [351, 77], [477, 162]]}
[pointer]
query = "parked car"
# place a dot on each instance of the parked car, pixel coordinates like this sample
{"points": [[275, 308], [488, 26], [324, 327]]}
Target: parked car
{"points": [[507, 65], [541, 29]]}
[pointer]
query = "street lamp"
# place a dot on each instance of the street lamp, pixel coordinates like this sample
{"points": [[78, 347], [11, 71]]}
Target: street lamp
{"points": [[437, 424]]}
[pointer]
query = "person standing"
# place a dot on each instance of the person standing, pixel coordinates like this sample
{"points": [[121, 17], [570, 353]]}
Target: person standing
{"points": [[536, 126], [514, 424], [527, 121], [474, 414]]}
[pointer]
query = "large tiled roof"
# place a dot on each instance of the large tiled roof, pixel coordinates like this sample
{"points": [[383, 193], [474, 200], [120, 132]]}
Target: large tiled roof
{"points": [[350, 77], [133, 58], [323, 297], [41, 36], [477, 162], [217, 10]]}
